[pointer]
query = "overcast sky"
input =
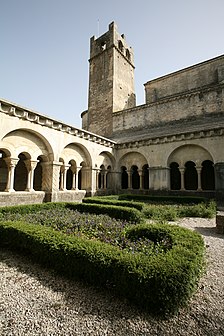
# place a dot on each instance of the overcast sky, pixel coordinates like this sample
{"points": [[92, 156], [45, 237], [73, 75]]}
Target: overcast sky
{"points": [[44, 46]]}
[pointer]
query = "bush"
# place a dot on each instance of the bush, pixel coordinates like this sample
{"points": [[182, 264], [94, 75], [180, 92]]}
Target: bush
{"points": [[164, 199], [23, 209], [199, 210], [97, 200], [118, 212], [161, 212], [171, 212], [159, 283]]}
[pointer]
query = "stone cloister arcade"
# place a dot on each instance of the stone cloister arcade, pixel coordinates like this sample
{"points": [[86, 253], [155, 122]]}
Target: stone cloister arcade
{"points": [[44, 160], [27, 166], [190, 168]]}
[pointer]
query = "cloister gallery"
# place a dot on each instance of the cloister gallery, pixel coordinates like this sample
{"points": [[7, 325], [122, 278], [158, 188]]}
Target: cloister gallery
{"points": [[171, 144]]}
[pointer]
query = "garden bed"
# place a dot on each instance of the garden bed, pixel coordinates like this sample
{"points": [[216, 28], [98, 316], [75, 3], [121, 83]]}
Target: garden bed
{"points": [[155, 266]]}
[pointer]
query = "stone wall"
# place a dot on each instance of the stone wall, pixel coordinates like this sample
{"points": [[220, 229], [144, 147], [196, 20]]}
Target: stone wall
{"points": [[187, 106], [15, 198], [201, 75]]}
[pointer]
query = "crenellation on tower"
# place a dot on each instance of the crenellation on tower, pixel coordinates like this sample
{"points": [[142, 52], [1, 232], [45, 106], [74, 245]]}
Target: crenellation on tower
{"points": [[111, 81]]}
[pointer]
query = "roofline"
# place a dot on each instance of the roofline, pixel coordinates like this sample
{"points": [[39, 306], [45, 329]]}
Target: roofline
{"points": [[186, 69]]}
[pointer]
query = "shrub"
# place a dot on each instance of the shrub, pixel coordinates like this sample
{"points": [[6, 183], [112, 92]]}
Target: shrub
{"points": [[171, 212], [160, 212], [164, 199], [199, 210], [97, 200], [159, 283], [23, 209], [118, 212]]}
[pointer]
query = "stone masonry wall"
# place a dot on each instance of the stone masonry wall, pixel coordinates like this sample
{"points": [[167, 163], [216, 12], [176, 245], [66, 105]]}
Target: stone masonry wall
{"points": [[198, 76], [200, 103]]}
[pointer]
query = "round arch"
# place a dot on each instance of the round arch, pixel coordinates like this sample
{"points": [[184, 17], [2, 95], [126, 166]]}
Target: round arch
{"points": [[133, 159], [105, 158], [186, 153], [77, 153], [24, 140]]}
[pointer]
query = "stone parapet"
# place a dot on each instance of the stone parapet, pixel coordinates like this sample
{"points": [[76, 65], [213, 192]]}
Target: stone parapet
{"points": [[34, 117]]}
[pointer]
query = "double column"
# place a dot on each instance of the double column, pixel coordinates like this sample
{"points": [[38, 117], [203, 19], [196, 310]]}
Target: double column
{"points": [[182, 180], [75, 178], [11, 164], [30, 166]]}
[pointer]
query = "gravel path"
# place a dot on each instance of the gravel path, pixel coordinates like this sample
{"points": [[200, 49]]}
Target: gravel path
{"points": [[35, 301]]}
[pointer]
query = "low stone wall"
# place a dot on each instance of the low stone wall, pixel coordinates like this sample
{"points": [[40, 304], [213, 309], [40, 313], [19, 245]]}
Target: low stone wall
{"points": [[66, 196], [220, 222], [21, 197], [37, 197]]}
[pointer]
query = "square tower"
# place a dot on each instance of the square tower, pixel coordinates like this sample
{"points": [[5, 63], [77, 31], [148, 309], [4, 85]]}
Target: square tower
{"points": [[111, 81]]}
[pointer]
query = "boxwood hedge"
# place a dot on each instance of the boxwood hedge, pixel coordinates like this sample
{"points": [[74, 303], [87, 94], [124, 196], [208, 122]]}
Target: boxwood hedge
{"points": [[117, 212], [159, 283], [97, 200], [166, 199]]}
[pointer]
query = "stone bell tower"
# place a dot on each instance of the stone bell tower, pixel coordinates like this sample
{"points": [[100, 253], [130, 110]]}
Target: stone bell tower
{"points": [[111, 81]]}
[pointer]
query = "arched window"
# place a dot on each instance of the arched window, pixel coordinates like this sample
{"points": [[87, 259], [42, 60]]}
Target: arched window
{"points": [[69, 178], [135, 177], [207, 175], [38, 173], [61, 175], [3, 172], [108, 177], [120, 46], [21, 174], [124, 178], [101, 177], [145, 176], [190, 176], [128, 55], [175, 176], [80, 179]]}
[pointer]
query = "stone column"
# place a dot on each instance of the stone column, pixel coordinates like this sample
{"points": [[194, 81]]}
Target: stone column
{"points": [[30, 165], [64, 177], [141, 180], [74, 178], [103, 176], [199, 177], [61, 177], [77, 178], [129, 179], [97, 179], [182, 170], [11, 163]]}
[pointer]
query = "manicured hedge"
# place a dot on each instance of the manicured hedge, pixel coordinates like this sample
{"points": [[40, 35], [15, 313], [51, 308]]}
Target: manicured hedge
{"points": [[97, 200], [117, 212], [160, 283], [167, 199], [23, 209]]}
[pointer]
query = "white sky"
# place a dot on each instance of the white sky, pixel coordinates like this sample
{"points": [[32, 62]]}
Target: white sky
{"points": [[44, 45]]}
